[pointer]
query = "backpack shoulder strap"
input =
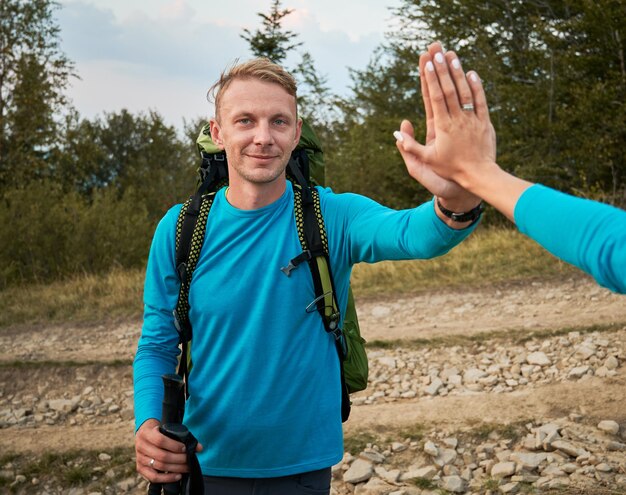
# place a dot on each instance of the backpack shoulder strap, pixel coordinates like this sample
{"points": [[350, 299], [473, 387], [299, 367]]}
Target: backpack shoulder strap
{"points": [[312, 235], [190, 230]]}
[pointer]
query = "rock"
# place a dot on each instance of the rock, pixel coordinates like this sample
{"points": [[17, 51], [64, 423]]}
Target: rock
{"points": [[398, 447], [389, 476], [604, 467], [434, 387], [372, 456], [62, 405], [503, 470], [374, 486], [585, 351], [127, 484], [578, 372], [389, 362], [611, 363], [445, 457], [104, 457], [360, 470], [511, 488], [454, 484], [431, 449], [609, 426], [538, 358], [568, 448], [527, 460], [426, 472], [472, 375]]}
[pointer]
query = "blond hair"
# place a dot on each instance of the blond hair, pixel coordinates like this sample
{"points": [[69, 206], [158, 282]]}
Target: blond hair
{"points": [[262, 69]]}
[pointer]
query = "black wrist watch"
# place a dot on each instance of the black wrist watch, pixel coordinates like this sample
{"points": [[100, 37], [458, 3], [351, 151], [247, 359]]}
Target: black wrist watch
{"points": [[467, 216]]}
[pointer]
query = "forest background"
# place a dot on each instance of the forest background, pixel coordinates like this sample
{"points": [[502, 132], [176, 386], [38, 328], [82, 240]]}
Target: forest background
{"points": [[84, 195]]}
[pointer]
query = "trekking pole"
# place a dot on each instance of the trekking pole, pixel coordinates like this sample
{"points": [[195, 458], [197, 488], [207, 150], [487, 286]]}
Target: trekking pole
{"points": [[171, 417]]}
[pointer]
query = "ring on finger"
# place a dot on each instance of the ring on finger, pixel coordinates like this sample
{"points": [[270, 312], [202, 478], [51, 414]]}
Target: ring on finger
{"points": [[467, 107], [152, 463]]}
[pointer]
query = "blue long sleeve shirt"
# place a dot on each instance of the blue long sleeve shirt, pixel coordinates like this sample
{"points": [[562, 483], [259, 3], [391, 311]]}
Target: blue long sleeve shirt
{"points": [[587, 234], [265, 387]]}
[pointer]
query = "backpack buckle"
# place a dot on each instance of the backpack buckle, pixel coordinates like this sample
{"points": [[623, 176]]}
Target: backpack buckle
{"points": [[183, 328], [293, 264]]}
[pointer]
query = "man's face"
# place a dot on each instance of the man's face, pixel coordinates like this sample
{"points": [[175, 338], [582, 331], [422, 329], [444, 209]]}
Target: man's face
{"points": [[258, 128]]}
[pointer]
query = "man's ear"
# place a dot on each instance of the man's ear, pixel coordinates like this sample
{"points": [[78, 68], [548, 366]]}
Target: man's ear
{"points": [[216, 133]]}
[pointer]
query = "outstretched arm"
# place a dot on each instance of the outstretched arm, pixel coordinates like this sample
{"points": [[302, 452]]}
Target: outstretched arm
{"points": [[590, 235], [462, 147]]}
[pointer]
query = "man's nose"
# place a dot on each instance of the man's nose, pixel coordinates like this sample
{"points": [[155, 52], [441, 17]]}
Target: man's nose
{"points": [[263, 134]]}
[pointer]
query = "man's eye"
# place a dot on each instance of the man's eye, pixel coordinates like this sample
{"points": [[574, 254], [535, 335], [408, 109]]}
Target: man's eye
{"points": [[244, 121], [280, 122]]}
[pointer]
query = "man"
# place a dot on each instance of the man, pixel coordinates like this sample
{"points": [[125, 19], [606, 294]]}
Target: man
{"points": [[265, 392], [587, 234]]}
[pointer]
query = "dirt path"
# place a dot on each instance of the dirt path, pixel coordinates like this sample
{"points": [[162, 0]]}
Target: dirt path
{"points": [[575, 303]]}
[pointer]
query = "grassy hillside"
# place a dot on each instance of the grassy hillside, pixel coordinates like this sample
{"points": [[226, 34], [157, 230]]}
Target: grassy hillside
{"points": [[489, 256]]}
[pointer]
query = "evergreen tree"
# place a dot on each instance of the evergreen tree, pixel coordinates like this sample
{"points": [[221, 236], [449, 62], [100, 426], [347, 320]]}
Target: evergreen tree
{"points": [[33, 74], [272, 40], [315, 100]]}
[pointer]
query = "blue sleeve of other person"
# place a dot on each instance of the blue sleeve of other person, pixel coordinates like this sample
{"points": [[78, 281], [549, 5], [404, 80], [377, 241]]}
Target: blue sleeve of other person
{"points": [[585, 233]]}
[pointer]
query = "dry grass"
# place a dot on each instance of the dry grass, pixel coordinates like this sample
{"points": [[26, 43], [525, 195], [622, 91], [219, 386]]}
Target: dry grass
{"points": [[82, 299], [488, 256]]}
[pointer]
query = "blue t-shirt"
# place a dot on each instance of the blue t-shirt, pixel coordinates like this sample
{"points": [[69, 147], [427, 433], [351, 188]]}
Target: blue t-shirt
{"points": [[265, 388], [587, 234]]}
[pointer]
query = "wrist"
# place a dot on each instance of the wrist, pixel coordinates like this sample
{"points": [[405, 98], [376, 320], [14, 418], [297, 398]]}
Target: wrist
{"points": [[459, 217]]}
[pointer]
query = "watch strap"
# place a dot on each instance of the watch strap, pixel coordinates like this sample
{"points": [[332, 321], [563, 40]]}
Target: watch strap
{"points": [[466, 216]]}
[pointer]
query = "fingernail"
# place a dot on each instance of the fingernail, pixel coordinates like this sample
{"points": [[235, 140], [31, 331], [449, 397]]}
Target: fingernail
{"points": [[398, 135], [429, 66], [183, 449], [474, 77], [455, 63], [439, 57], [178, 476]]}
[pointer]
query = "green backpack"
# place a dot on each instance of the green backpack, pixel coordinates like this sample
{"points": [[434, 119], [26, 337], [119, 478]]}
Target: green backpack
{"points": [[305, 170]]}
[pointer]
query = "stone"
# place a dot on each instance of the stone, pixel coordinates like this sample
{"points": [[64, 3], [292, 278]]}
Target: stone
{"points": [[360, 471], [431, 449], [104, 457], [611, 363], [426, 472], [538, 358], [372, 456], [389, 476], [127, 484], [604, 467], [585, 351], [528, 460], [434, 386], [454, 484], [568, 448], [398, 447], [609, 426], [446, 456], [578, 372], [472, 375], [62, 405], [374, 486], [503, 470], [387, 361], [511, 488]]}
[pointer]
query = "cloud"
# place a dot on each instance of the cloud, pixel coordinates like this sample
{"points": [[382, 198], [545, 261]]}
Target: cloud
{"points": [[166, 57]]}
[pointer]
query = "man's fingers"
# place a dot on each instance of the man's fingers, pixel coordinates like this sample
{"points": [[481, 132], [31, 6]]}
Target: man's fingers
{"points": [[464, 93]]}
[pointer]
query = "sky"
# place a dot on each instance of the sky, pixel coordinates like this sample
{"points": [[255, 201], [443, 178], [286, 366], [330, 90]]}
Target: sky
{"points": [[163, 55]]}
